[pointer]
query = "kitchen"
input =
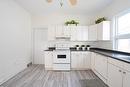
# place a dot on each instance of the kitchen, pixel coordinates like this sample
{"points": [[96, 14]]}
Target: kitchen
{"points": [[64, 43]]}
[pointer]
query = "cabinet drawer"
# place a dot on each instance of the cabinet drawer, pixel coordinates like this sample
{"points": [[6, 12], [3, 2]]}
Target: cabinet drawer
{"points": [[115, 62]]}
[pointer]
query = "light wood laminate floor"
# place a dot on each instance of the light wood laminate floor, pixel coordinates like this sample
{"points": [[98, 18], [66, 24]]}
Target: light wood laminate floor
{"points": [[37, 76]]}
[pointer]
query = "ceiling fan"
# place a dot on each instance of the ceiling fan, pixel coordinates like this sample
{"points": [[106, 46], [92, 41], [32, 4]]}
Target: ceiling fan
{"points": [[72, 2]]}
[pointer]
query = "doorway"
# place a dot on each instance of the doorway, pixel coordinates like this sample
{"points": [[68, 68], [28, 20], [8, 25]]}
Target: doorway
{"points": [[39, 45]]}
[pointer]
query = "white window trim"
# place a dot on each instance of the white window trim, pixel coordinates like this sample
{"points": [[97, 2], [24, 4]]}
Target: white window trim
{"points": [[115, 30]]}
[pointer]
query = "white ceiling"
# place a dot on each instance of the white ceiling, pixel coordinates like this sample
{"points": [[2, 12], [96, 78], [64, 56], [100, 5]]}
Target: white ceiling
{"points": [[38, 7]]}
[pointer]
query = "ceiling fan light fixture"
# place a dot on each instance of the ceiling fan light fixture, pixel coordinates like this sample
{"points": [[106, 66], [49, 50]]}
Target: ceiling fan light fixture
{"points": [[73, 2]]}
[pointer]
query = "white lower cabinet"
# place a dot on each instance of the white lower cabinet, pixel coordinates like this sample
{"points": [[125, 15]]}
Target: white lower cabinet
{"points": [[93, 55], [80, 60], [117, 75], [101, 64], [48, 60], [101, 67], [126, 79], [114, 76]]}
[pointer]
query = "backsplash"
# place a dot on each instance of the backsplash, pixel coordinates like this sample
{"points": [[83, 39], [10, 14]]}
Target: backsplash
{"points": [[72, 43], [104, 44]]}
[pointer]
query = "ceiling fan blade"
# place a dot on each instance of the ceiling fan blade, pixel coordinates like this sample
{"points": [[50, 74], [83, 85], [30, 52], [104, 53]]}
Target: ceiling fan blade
{"points": [[49, 1], [73, 2]]}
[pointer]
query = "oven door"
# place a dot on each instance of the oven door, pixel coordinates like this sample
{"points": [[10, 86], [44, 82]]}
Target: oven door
{"points": [[61, 57]]}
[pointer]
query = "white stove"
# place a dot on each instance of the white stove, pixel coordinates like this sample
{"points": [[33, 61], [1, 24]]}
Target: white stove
{"points": [[61, 57]]}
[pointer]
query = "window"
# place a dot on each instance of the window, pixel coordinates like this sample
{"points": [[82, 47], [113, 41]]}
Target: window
{"points": [[122, 35]]}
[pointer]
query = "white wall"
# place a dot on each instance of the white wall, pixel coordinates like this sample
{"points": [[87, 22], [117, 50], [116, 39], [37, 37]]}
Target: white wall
{"points": [[116, 7], [15, 39], [59, 19]]}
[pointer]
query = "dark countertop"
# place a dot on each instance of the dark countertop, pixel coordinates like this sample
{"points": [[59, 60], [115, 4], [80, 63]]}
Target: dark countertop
{"points": [[122, 56], [50, 49]]}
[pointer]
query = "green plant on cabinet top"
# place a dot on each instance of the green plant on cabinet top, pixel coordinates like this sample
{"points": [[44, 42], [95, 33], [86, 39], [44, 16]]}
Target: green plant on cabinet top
{"points": [[71, 22]]}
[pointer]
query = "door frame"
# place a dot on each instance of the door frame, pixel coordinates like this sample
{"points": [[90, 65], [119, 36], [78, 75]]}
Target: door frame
{"points": [[33, 40]]}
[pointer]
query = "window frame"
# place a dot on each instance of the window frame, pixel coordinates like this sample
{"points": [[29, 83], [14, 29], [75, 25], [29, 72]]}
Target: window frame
{"points": [[115, 30]]}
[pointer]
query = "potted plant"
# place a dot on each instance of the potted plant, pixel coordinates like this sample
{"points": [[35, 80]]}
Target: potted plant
{"points": [[99, 20], [72, 22]]}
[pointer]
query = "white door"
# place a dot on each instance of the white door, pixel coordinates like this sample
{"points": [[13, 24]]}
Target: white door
{"points": [[114, 76], [39, 45]]}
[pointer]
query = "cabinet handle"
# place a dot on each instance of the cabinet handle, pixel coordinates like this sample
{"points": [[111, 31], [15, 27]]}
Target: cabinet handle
{"points": [[124, 72], [120, 71]]}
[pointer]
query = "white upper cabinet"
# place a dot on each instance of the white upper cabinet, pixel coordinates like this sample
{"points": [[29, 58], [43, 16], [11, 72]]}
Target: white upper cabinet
{"points": [[51, 33], [84, 33], [103, 30], [99, 31], [92, 33], [79, 33], [73, 33], [62, 31], [59, 31], [66, 30]]}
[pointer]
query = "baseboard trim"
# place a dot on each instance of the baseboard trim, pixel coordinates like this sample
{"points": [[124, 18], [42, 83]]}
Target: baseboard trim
{"points": [[29, 64]]}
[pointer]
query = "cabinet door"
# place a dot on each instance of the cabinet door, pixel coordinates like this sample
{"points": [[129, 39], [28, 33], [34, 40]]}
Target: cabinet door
{"points": [[59, 31], [74, 60], [51, 33], [66, 30], [48, 59], [84, 33], [73, 33], [114, 76], [126, 79], [92, 35], [103, 30], [80, 60], [100, 31], [101, 65], [93, 55], [79, 33], [86, 60]]}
